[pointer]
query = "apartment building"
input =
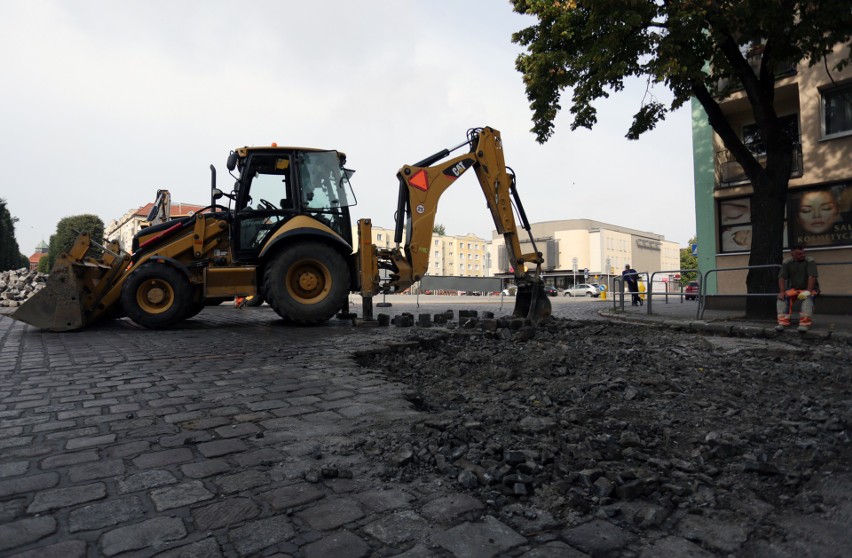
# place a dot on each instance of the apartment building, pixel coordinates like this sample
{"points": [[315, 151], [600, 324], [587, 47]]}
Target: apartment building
{"points": [[456, 256], [573, 247], [815, 106]]}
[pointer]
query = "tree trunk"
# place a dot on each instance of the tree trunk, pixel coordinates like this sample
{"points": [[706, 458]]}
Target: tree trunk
{"points": [[767, 236]]}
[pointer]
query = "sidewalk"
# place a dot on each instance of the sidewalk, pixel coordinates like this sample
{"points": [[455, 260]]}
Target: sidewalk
{"points": [[684, 315]]}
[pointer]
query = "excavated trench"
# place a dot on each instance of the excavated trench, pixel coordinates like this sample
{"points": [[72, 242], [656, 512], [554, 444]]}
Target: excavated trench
{"points": [[653, 429]]}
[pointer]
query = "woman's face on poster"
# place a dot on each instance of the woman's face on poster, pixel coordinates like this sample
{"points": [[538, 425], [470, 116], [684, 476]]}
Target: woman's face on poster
{"points": [[818, 211]]}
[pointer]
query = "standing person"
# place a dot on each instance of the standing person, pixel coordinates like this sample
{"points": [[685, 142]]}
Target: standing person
{"points": [[797, 280], [631, 279]]}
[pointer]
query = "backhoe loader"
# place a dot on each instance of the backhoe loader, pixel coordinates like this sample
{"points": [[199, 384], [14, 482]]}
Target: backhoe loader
{"points": [[285, 237]]}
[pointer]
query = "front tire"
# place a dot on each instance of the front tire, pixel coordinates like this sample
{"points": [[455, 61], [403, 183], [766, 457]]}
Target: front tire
{"points": [[157, 296], [307, 283]]}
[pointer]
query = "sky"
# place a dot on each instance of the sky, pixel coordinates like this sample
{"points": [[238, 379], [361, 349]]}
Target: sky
{"points": [[104, 102]]}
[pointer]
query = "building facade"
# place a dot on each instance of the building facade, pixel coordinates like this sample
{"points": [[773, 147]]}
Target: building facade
{"points": [[582, 250], [454, 256], [125, 227], [40, 252], [815, 107]]}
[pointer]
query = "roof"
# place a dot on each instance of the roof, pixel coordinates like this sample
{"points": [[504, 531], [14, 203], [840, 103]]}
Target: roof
{"points": [[35, 258], [178, 209]]}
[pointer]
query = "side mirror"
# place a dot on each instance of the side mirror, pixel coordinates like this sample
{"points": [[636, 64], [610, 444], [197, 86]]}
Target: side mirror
{"points": [[216, 194], [232, 161]]}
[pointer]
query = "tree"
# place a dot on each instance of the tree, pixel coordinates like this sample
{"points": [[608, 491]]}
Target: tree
{"points": [[592, 46], [66, 233], [10, 253], [439, 230], [688, 261]]}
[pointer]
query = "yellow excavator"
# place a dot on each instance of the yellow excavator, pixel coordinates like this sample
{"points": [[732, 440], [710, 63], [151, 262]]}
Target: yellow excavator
{"points": [[285, 237]]}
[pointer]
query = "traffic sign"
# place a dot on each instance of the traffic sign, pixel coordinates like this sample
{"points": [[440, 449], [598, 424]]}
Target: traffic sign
{"points": [[694, 249]]}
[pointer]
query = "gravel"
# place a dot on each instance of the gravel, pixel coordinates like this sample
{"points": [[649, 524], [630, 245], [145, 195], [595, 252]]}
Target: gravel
{"points": [[721, 441]]}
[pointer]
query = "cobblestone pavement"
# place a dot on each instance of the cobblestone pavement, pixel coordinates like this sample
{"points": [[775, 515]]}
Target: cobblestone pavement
{"points": [[229, 436]]}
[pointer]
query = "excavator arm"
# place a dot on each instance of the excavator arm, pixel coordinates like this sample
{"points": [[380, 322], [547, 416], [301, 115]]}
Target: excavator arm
{"points": [[420, 188]]}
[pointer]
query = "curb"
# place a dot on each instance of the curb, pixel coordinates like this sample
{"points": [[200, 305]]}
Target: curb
{"points": [[725, 328]]}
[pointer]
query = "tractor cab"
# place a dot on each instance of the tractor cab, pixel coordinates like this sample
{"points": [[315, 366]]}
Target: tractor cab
{"points": [[274, 185]]}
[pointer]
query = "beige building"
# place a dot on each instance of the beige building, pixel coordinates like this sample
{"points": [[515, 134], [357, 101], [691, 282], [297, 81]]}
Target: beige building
{"points": [[125, 227], [815, 106], [572, 246], [457, 256]]}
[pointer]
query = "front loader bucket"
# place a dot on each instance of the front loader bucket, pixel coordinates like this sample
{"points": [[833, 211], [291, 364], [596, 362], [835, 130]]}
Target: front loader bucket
{"points": [[532, 302], [57, 306], [77, 288]]}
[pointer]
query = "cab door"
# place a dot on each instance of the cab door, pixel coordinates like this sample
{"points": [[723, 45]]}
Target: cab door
{"points": [[265, 201]]}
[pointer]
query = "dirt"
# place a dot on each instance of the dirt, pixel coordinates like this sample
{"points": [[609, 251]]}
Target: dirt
{"points": [[727, 442]]}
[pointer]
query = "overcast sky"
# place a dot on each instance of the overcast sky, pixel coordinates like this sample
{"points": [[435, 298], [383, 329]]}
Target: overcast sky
{"points": [[104, 102]]}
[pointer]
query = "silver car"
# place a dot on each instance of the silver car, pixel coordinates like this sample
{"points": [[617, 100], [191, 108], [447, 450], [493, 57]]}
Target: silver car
{"points": [[582, 290]]}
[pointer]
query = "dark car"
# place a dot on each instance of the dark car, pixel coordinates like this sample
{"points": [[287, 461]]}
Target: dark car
{"points": [[691, 290], [550, 290]]}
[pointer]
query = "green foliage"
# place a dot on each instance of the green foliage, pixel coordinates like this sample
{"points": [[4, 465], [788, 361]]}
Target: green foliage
{"points": [[43, 266], [439, 230], [10, 254], [592, 46], [66, 233], [688, 261]]}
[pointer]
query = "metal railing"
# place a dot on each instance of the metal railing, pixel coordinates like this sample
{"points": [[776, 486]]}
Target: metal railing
{"points": [[702, 295], [618, 292]]}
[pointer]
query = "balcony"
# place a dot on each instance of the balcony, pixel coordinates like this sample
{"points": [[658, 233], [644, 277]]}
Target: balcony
{"points": [[726, 86], [730, 173]]}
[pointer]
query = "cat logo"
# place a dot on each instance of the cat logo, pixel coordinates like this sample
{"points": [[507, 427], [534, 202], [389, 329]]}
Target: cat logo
{"points": [[458, 169]]}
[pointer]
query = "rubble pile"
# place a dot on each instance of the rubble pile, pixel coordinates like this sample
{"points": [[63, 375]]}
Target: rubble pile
{"points": [[17, 285], [644, 427]]}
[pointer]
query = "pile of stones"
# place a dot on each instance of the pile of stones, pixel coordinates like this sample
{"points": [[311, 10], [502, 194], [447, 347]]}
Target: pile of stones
{"points": [[640, 426], [17, 285]]}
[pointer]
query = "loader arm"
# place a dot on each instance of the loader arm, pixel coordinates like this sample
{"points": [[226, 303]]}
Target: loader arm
{"points": [[420, 188]]}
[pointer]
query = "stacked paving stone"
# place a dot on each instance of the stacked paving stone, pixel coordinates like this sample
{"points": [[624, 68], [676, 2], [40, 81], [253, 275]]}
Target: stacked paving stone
{"points": [[17, 285]]}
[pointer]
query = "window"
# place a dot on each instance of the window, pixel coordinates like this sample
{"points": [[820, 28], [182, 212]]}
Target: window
{"points": [[437, 254], [837, 110], [476, 267], [437, 242], [754, 143], [468, 267], [468, 246], [476, 257], [437, 265]]}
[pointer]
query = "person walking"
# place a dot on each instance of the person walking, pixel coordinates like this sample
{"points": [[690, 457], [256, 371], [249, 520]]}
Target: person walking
{"points": [[797, 281], [631, 279]]}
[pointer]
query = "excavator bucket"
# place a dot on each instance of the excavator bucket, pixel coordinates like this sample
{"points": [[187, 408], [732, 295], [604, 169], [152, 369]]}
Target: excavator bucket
{"points": [[532, 302], [74, 287]]}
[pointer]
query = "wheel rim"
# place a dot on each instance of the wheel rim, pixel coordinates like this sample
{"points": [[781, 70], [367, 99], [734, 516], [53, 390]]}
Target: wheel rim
{"points": [[155, 296], [308, 281]]}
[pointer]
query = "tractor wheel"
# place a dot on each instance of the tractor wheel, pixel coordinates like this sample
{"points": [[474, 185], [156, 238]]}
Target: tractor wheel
{"points": [[157, 296], [197, 304], [307, 284]]}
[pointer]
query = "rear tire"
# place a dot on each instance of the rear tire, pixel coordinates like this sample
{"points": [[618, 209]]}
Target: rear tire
{"points": [[307, 283], [157, 296]]}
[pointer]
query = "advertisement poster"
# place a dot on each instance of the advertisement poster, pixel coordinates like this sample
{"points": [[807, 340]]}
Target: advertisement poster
{"points": [[820, 216], [735, 224]]}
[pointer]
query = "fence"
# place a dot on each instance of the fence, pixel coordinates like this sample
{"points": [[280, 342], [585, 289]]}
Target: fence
{"points": [[618, 292]]}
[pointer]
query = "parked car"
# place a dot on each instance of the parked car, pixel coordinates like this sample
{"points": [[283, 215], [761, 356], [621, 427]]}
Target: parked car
{"points": [[691, 290], [550, 290], [583, 289]]}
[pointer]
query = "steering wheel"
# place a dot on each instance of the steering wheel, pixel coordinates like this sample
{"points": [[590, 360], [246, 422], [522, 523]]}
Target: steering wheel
{"points": [[268, 205]]}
